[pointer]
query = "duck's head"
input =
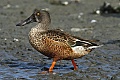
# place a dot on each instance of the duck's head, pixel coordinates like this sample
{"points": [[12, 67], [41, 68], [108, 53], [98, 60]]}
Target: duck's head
{"points": [[40, 16]]}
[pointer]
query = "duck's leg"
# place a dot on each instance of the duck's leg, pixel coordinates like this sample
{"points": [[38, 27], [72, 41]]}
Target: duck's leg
{"points": [[74, 64], [52, 66]]}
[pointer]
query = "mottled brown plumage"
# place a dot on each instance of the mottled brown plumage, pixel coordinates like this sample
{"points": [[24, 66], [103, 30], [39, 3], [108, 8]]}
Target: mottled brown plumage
{"points": [[55, 44]]}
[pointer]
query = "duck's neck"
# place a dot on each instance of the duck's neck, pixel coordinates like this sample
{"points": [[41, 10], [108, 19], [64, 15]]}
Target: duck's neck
{"points": [[41, 26]]}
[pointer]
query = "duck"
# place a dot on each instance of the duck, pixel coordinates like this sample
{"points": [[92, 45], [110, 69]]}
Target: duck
{"points": [[55, 43]]}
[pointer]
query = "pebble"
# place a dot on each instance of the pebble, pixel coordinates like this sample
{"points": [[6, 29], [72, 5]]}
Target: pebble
{"points": [[78, 29], [80, 14], [11, 6], [5, 39], [65, 3], [7, 6], [15, 39], [93, 21], [46, 9], [98, 12]]}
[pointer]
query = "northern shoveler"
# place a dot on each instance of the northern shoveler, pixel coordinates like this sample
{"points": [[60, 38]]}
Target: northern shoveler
{"points": [[55, 43]]}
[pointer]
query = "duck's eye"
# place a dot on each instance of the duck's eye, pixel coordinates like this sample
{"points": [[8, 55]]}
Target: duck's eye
{"points": [[38, 14]]}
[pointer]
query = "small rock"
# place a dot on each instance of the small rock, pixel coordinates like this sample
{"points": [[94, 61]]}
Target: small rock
{"points": [[75, 29], [7, 6], [65, 3], [46, 9], [78, 29], [15, 39], [54, 73], [80, 14], [93, 21], [97, 11], [5, 39]]}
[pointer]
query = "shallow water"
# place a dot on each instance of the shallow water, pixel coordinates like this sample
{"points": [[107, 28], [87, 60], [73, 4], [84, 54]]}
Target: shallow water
{"points": [[19, 61]]}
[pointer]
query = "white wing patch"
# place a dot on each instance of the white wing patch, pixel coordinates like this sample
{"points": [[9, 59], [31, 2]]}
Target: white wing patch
{"points": [[78, 49]]}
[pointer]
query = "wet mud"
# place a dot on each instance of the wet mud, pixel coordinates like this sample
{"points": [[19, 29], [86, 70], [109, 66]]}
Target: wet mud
{"points": [[19, 61]]}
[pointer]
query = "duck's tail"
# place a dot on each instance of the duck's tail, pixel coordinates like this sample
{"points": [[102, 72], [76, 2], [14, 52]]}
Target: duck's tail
{"points": [[93, 47]]}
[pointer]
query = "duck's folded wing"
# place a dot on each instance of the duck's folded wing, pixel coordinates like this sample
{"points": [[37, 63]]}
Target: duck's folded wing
{"points": [[60, 36]]}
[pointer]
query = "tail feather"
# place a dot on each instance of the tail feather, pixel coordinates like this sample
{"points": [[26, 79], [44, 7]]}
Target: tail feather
{"points": [[93, 47]]}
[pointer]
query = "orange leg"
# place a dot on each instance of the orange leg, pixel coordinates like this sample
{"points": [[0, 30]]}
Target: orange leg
{"points": [[74, 64], [52, 66]]}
